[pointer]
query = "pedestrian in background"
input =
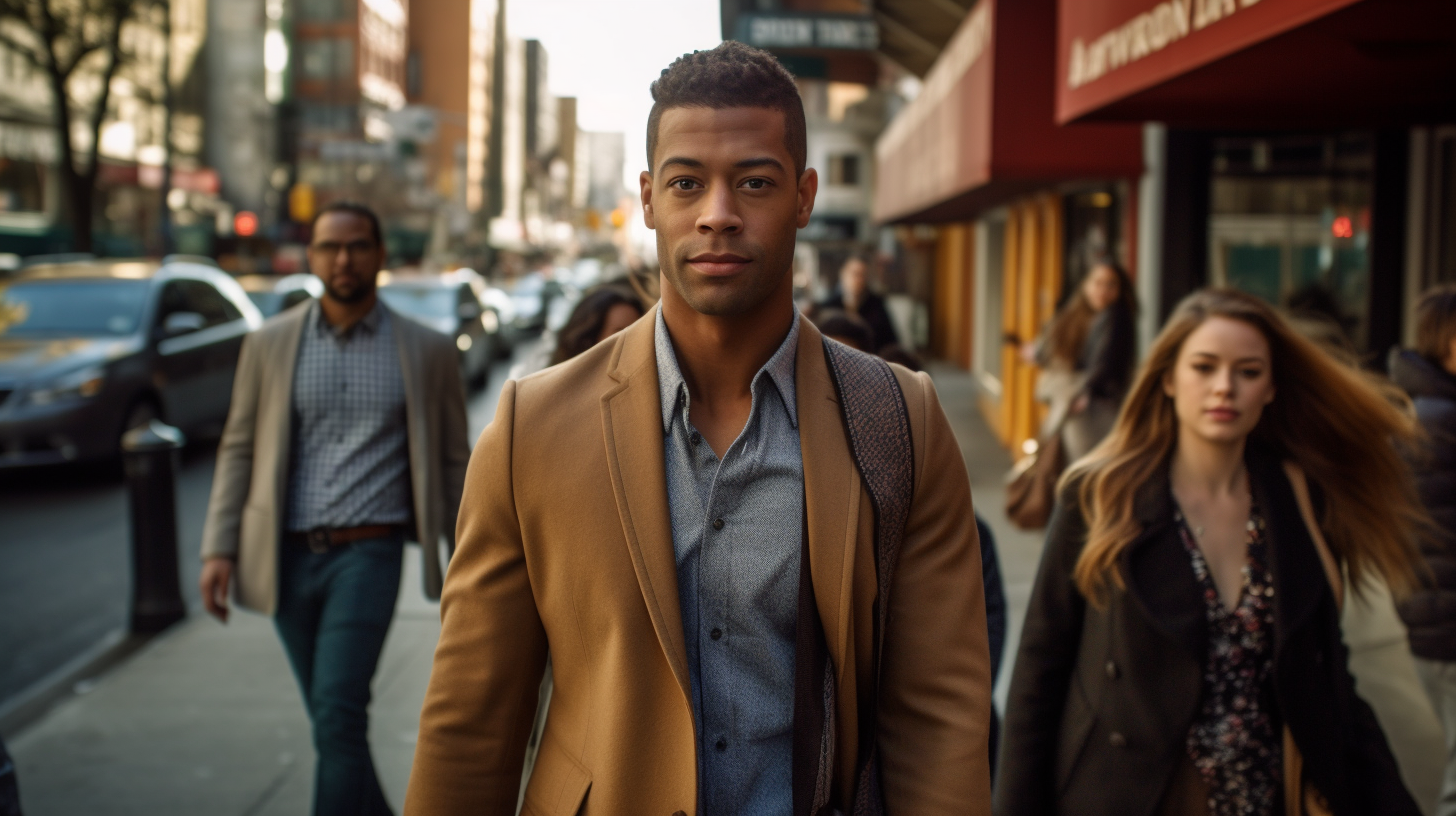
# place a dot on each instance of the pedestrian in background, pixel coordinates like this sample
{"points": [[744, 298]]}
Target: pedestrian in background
{"points": [[854, 296], [846, 328], [677, 513], [346, 435], [602, 312], [1428, 374], [1182, 651], [1087, 355]]}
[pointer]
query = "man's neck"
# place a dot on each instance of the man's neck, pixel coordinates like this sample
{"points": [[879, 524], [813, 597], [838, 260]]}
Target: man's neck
{"points": [[719, 356], [342, 316]]}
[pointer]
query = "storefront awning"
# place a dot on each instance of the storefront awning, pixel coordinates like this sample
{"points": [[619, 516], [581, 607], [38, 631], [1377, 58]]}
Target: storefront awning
{"points": [[982, 128], [1257, 63]]}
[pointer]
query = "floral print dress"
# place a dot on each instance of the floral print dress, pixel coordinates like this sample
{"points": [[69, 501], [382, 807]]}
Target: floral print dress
{"points": [[1233, 741]]}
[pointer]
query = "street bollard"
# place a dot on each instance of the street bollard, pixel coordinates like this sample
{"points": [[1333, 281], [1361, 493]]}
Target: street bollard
{"points": [[149, 455]]}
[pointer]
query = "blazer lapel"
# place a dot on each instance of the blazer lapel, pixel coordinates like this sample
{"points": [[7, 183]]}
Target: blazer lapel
{"points": [[411, 365], [832, 492], [280, 398], [632, 421], [1159, 575]]}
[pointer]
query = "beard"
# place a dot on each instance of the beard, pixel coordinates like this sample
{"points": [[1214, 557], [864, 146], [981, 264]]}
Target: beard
{"points": [[349, 293]]}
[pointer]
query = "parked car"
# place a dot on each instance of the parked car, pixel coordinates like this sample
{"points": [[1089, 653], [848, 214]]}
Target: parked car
{"points": [[90, 349], [533, 294], [449, 304], [279, 293]]}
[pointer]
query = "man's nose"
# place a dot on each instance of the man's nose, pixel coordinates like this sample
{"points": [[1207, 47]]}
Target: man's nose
{"points": [[719, 213]]}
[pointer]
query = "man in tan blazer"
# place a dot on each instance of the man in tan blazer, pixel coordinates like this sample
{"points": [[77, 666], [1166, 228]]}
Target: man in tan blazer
{"points": [[640, 512], [346, 435]]}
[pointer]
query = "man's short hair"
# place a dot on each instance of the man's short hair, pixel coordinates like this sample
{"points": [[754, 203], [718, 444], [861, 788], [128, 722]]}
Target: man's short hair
{"points": [[1436, 323], [733, 75], [353, 208]]}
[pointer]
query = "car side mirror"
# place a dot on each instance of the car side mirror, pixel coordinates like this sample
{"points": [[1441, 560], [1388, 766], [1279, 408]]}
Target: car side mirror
{"points": [[468, 311], [178, 323]]}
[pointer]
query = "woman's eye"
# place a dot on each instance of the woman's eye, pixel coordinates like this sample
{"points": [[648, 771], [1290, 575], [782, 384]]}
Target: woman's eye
{"points": [[1252, 373], [1203, 368]]}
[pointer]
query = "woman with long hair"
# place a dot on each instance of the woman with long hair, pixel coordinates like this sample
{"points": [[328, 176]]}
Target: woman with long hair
{"points": [[1182, 651], [601, 313], [1087, 356]]}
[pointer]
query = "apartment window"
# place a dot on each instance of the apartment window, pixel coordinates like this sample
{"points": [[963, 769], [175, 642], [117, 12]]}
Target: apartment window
{"points": [[326, 11], [844, 170], [22, 186], [327, 58]]}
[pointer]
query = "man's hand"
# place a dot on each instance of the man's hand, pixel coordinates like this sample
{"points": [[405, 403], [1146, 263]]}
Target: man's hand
{"points": [[217, 577]]}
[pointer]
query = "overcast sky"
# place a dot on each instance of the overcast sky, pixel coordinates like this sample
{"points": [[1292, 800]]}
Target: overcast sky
{"points": [[606, 54]]}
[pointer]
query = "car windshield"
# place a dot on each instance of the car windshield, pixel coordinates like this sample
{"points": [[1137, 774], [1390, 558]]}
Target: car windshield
{"points": [[71, 307], [420, 301]]}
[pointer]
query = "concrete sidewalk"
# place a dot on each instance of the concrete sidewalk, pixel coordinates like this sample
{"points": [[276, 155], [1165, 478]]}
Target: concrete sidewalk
{"points": [[207, 719]]}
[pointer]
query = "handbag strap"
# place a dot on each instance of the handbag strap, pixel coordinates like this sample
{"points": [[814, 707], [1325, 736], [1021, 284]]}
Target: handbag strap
{"points": [[877, 423], [1300, 484]]}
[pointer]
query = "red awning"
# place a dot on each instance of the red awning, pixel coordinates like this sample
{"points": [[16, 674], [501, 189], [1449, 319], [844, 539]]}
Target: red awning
{"points": [[982, 129], [1257, 63]]}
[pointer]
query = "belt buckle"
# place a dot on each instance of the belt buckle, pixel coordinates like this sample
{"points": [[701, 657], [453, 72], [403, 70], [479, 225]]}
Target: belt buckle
{"points": [[318, 540]]}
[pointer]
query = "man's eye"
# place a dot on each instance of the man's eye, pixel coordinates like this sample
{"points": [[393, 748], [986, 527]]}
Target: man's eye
{"points": [[684, 184], [756, 183]]}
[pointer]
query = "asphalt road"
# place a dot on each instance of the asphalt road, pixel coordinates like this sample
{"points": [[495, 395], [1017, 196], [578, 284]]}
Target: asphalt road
{"points": [[65, 563]]}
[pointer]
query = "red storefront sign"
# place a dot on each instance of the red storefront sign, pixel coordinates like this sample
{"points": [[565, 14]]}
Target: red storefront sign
{"points": [[982, 128], [1255, 62]]}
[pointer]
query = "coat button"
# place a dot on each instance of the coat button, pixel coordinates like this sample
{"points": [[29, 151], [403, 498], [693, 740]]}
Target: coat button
{"points": [[1117, 740], [1111, 669]]}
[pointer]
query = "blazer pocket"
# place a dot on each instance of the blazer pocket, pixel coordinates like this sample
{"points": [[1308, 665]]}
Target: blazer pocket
{"points": [[558, 784]]}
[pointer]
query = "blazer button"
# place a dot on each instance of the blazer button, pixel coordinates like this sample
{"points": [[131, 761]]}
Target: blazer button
{"points": [[1117, 740], [1111, 669]]}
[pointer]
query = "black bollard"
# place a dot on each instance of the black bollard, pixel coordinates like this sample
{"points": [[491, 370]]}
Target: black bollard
{"points": [[149, 454]]}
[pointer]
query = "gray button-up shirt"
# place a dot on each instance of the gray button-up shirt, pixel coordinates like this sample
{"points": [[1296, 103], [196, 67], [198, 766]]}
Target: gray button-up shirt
{"points": [[350, 446], [737, 530]]}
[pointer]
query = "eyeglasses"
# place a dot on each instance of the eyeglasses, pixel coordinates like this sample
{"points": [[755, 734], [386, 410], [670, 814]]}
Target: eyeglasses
{"points": [[330, 249]]}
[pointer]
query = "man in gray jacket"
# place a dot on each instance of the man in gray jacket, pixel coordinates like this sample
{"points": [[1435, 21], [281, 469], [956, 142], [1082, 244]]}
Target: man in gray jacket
{"points": [[346, 435]]}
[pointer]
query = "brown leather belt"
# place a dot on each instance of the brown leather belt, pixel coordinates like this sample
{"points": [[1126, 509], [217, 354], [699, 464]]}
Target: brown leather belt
{"points": [[323, 539]]}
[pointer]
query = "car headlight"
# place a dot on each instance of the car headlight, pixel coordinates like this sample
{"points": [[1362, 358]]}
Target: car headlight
{"points": [[82, 384]]}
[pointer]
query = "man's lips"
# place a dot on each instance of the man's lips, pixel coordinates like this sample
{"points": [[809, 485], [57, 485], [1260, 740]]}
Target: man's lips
{"points": [[715, 263]]}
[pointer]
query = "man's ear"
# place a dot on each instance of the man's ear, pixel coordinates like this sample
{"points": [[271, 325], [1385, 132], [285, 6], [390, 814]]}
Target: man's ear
{"points": [[808, 188], [645, 180]]}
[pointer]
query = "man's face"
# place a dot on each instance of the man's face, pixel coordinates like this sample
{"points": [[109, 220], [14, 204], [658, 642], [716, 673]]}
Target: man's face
{"points": [[852, 278], [345, 256], [726, 205]]}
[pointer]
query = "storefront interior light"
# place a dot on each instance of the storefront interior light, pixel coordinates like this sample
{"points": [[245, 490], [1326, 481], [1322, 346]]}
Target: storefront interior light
{"points": [[1342, 227]]}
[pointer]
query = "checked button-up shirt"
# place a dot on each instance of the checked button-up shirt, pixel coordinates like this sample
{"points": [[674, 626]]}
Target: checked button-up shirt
{"points": [[737, 530], [350, 446]]}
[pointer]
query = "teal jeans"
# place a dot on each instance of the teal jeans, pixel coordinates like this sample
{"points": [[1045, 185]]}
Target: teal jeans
{"points": [[334, 610]]}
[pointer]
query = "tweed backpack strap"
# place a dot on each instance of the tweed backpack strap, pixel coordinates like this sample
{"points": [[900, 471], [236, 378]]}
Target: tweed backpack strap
{"points": [[878, 425]]}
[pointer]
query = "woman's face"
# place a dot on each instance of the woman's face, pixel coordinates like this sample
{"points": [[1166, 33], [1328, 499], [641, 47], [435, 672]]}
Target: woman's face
{"points": [[1222, 380], [619, 317], [1101, 288]]}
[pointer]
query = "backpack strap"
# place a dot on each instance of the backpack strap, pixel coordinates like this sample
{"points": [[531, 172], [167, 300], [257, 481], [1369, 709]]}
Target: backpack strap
{"points": [[877, 423]]}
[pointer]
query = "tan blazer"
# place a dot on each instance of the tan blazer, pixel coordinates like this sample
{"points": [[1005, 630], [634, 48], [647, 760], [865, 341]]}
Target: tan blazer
{"points": [[565, 544], [245, 515]]}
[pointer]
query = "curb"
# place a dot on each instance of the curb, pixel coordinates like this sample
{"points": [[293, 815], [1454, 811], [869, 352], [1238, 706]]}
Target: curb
{"points": [[33, 702]]}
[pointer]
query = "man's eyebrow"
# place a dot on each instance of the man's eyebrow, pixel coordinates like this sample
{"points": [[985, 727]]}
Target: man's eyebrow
{"points": [[681, 161], [761, 161]]}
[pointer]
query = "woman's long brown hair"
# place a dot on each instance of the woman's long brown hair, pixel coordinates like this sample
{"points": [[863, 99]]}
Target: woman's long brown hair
{"points": [[1339, 424]]}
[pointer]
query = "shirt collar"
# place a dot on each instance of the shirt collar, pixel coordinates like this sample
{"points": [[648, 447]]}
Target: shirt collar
{"points": [[369, 323], [673, 389]]}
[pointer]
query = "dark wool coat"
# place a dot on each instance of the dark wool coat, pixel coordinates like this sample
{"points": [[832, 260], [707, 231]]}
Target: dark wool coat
{"points": [[1102, 701], [1430, 613]]}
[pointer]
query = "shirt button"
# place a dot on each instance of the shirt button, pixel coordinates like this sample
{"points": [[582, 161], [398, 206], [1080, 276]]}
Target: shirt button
{"points": [[695, 438], [722, 744], [716, 633], [717, 524]]}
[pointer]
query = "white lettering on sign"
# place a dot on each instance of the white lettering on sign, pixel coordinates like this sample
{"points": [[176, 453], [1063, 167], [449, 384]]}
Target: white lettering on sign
{"points": [[781, 32], [1145, 34]]}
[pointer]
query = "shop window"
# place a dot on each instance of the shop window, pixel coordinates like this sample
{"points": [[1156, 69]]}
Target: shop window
{"points": [[326, 58], [1290, 222], [844, 170], [22, 186]]}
